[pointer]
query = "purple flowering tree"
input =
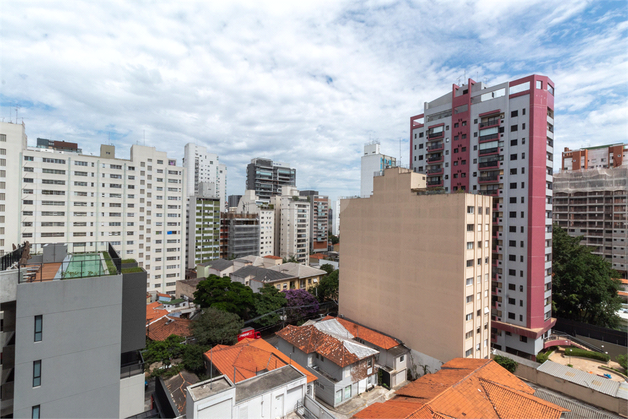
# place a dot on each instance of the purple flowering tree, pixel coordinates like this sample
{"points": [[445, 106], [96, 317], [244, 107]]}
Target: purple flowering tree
{"points": [[300, 305]]}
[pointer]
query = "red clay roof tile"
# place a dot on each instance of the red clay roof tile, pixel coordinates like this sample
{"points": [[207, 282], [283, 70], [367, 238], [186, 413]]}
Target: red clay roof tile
{"points": [[166, 326], [249, 356], [366, 334]]}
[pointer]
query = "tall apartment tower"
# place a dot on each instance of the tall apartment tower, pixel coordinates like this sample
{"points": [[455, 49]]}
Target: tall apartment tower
{"points": [[58, 194], [266, 178], [292, 225], [373, 162], [498, 141], [203, 220], [599, 157], [319, 220], [593, 203], [73, 326], [250, 204], [202, 166], [417, 266]]}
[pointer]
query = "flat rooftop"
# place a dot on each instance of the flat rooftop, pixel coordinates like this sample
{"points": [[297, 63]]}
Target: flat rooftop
{"points": [[204, 389], [265, 382]]}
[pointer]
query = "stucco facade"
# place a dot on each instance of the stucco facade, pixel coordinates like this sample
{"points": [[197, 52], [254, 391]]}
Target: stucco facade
{"points": [[417, 267]]}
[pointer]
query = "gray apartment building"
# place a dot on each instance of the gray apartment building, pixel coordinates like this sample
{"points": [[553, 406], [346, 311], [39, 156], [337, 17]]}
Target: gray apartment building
{"points": [[73, 326], [266, 177]]}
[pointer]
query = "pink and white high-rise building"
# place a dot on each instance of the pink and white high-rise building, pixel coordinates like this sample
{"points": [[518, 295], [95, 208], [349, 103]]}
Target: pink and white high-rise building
{"points": [[498, 141]]}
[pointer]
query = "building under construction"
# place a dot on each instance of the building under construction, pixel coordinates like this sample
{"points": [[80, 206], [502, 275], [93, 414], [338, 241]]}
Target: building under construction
{"points": [[239, 235], [592, 203]]}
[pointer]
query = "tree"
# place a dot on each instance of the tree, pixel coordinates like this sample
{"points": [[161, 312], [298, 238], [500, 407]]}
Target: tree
{"points": [[327, 267], [223, 294], [291, 259], [583, 288], [267, 300], [327, 288], [193, 358], [164, 351], [623, 361], [300, 305], [333, 239], [507, 363], [217, 327]]}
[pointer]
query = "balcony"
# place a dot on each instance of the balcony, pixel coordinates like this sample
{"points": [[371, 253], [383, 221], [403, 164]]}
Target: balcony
{"points": [[434, 148], [488, 151], [436, 159], [489, 123], [488, 164], [435, 183], [436, 171], [490, 178], [435, 135]]}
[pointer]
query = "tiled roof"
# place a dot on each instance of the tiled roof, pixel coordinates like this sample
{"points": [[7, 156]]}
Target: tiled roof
{"points": [[366, 334], [296, 269], [466, 388], [219, 264], [164, 295], [261, 274], [166, 326], [309, 339], [272, 257], [247, 357], [177, 384], [154, 311]]}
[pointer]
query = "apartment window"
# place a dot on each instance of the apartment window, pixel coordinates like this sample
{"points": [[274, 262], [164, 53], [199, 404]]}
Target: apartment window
{"points": [[469, 245], [513, 143], [523, 338], [469, 298], [512, 272], [468, 335], [512, 214], [514, 113], [38, 328], [468, 353], [512, 301], [35, 412], [513, 185], [469, 281], [470, 210], [469, 263], [469, 316], [513, 157], [514, 128], [469, 227], [511, 316], [36, 373]]}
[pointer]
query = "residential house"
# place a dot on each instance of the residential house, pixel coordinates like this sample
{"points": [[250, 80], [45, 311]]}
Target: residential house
{"points": [[218, 267], [248, 358], [160, 329], [170, 394], [393, 355], [256, 277], [270, 394], [307, 276], [186, 288], [344, 367], [465, 387]]}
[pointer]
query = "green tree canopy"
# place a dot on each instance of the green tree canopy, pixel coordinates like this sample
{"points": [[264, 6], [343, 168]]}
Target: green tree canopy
{"points": [[223, 294], [327, 288], [291, 259], [216, 327], [267, 300], [333, 239], [327, 267], [583, 288], [164, 351]]}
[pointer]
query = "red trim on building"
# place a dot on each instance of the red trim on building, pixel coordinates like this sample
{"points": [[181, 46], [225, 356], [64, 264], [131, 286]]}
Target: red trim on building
{"points": [[482, 115]]}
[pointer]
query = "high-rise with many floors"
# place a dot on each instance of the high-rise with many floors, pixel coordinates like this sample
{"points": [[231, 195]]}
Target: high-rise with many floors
{"points": [[319, 220], [292, 225], [57, 194], [266, 177], [598, 157], [249, 203], [499, 141], [373, 161], [202, 166]]}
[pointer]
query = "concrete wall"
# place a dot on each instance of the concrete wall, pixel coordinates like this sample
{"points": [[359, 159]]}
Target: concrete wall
{"points": [[79, 350], [132, 395], [133, 311], [405, 266]]}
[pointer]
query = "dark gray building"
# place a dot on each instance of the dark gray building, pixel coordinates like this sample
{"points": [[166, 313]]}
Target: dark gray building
{"points": [[234, 200], [239, 235], [73, 326], [266, 178]]}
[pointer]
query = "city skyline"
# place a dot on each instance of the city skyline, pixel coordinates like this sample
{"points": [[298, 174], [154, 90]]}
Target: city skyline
{"points": [[307, 85]]}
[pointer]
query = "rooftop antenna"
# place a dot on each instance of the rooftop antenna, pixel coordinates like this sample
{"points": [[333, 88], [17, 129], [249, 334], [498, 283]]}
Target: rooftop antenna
{"points": [[16, 109]]}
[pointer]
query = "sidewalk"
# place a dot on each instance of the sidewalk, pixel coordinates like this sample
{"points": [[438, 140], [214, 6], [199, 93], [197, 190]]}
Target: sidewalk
{"points": [[585, 364]]}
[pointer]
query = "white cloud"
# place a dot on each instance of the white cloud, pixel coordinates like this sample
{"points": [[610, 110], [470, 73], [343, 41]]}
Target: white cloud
{"points": [[306, 83]]}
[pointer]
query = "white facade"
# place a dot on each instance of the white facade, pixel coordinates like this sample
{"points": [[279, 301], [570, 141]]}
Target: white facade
{"points": [[292, 224], [373, 161], [62, 196], [251, 204], [202, 166]]}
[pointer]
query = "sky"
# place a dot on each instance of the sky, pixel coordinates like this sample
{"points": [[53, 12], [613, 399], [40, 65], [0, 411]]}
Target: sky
{"points": [[306, 83]]}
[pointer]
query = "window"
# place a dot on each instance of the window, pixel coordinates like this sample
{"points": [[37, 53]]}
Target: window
{"points": [[514, 128], [469, 227], [35, 412], [468, 335], [511, 316], [513, 143], [513, 185], [512, 301], [469, 245], [469, 263], [469, 316], [470, 210], [36, 373], [512, 214], [469, 298], [468, 353], [513, 157], [469, 281], [38, 328], [523, 338], [514, 113]]}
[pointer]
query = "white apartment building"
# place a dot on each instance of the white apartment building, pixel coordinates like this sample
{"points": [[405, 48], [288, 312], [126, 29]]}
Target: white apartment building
{"points": [[373, 161], [136, 204], [202, 166], [251, 204], [292, 224]]}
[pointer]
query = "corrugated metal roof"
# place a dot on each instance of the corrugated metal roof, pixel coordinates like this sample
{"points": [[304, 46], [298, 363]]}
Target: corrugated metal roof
{"points": [[359, 350], [592, 381], [333, 328], [577, 409]]}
